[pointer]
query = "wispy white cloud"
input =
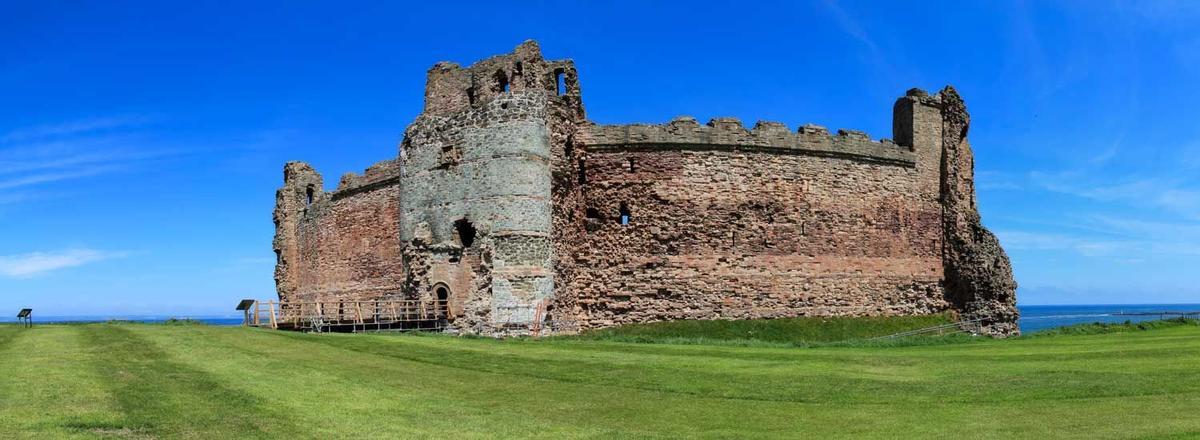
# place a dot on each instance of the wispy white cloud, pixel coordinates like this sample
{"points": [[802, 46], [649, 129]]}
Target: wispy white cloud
{"points": [[1106, 236], [38, 263], [874, 53], [73, 128], [35, 157], [1175, 194]]}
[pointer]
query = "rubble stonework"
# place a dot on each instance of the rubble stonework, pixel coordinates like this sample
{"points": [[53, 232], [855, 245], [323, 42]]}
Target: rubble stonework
{"points": [[506, 198]]}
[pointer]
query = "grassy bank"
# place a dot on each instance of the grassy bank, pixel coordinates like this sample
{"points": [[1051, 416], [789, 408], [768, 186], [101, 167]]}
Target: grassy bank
{"points": [[191, 381]]}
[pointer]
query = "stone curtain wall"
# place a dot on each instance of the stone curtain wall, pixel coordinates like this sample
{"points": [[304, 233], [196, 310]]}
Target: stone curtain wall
{"points": [[729, 223], [344, 245]]}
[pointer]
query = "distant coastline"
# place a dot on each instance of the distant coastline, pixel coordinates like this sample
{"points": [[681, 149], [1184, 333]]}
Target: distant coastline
{"points": [[1033, 317]]}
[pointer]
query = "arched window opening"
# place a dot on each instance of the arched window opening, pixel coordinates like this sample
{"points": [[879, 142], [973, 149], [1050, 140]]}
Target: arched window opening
{"points": [[308, 196], [465, 231], [443, 301], [501, 81], [582, 172], [624, 212], [560, 82]]}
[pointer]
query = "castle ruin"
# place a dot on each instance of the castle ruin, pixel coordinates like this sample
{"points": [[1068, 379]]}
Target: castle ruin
{"points": [[507, 204]]}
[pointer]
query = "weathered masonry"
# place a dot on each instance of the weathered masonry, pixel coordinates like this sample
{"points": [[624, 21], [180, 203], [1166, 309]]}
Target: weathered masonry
{"points": [[508, 206]]}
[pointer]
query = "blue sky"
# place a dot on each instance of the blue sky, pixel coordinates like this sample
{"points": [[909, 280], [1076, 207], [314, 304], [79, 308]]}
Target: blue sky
{"points": [[141, 143]]}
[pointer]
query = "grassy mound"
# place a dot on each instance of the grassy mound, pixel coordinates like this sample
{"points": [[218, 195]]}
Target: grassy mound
{"points": [[787, 331], [1099, 328]]}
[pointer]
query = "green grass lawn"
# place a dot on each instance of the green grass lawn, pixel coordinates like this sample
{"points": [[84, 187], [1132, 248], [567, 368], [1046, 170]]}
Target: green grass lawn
{"points": [[191, 381]]}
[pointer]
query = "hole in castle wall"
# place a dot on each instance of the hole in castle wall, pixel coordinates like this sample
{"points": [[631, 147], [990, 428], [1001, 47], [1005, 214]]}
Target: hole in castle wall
{"points": [[501, 81], [308, 196], [629, 165], [443, 299], [593, 219], [560, 82], [471, 95], [278, 256], [465, 231], [624, 214], [582, 172]]}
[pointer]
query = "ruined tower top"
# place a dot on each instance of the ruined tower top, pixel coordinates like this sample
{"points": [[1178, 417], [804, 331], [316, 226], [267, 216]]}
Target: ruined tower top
{"points": [[452, 88]]}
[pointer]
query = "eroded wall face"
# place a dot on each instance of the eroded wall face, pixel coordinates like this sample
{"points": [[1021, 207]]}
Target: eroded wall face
{"points": [[490, 169], [724, 234], [343, 245], [480, 154]]}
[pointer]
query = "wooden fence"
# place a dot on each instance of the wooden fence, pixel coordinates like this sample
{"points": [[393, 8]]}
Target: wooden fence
{"points": [[353, 315]]}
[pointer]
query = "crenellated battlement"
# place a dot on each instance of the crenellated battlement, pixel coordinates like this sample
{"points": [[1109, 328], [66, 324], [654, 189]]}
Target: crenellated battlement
{"points": [[729, 133]]}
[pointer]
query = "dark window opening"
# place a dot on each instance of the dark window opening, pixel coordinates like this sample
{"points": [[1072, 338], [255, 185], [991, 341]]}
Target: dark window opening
{"points": [[471, 95], [443, 299], [582, 172], [501, 81], [629, 165], [466, 232], [593, 219], [308, 196], [278, 256], [624, 212], [560, 82], [570, 145]]}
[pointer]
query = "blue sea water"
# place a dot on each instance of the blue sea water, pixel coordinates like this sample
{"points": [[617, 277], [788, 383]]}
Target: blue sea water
{"points": [[210, 320], [1033, 318]]}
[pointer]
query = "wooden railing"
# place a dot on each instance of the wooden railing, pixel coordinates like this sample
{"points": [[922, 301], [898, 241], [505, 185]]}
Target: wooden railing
{"points": [[319, 315]]}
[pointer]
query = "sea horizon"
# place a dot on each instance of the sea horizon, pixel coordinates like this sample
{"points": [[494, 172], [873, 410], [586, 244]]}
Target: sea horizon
{"points": [[1034, 317]]}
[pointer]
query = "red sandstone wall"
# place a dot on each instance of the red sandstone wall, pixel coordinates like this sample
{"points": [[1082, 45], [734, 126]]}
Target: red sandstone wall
{"points": [[345, 245], [719, 233]]}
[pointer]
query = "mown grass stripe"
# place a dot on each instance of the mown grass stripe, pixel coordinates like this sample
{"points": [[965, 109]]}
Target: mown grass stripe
{"points": [[42, 369], [850, 376], [169, 399]]}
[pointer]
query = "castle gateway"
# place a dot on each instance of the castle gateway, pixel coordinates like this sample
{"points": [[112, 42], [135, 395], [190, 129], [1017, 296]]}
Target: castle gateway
{"points": [[509, 207]]}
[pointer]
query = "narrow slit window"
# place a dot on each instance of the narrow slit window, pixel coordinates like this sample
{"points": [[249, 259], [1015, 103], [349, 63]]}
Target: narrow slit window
{"points": [[629, 165], [560, 82], [308, 196], [471, 95], [582, 172], [624, 212]]}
